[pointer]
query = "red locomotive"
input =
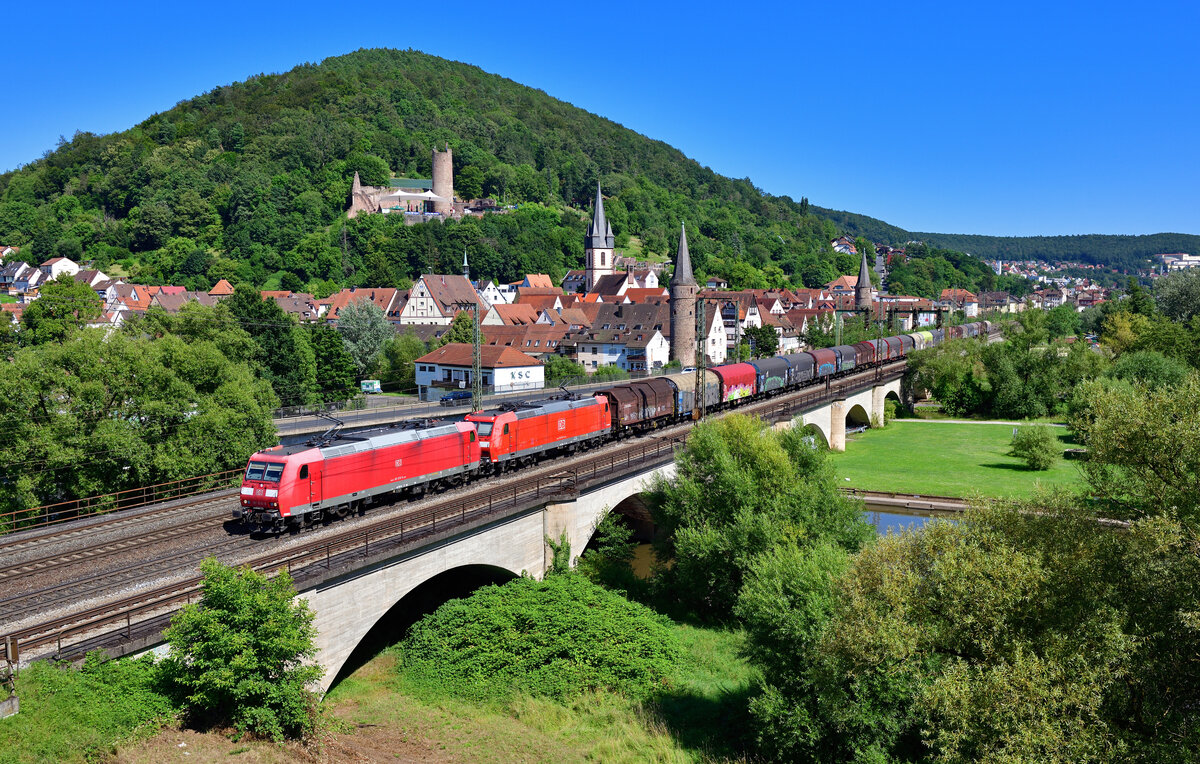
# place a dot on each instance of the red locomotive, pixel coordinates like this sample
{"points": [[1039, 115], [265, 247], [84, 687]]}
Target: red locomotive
{"points": [[302, 484], [516, 434]]}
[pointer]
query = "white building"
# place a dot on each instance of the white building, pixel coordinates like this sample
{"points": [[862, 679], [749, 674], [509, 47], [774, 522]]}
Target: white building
{"points": [[56, 266], [436, 299], [503, 370]]}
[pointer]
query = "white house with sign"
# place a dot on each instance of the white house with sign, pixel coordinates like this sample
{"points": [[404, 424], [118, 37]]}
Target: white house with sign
{"points": [[504, 370]]}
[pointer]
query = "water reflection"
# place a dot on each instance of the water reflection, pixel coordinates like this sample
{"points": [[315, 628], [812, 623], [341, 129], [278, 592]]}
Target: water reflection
{"points": [[887, 522]]}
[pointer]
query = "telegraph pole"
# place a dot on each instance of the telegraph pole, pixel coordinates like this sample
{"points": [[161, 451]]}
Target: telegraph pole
{"points": [[476, 345]]}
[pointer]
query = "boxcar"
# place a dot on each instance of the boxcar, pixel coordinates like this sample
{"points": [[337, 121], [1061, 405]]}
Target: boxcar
{"points": [[737, 381], [685, 385], [846, 358], [770, 373], [939, 336], [283, 484], [522, 430], [895, 348], [658, 399], [865, 353], [825, 361], [801, 368], [954, 333]]}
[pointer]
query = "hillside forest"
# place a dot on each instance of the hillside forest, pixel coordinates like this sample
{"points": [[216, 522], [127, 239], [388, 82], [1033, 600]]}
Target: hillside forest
{"points": [[249, 182]]}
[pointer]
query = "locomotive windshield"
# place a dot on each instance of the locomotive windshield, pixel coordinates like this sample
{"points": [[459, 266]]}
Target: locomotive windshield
{"points": [[268, 471], [485, 428]]}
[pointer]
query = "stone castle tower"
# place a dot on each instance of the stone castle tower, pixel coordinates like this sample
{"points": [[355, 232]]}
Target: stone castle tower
{"points": [[598, 246], [443, 180], [862, 289], [683, 305]]}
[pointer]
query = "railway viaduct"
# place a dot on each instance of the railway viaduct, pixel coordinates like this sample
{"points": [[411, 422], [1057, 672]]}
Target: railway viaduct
{"points": [[348, 606], [365, 583]]}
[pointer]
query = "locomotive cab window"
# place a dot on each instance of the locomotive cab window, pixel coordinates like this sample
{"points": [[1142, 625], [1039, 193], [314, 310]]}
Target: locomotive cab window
{"points": [[472, 436], [506, 429], [485, 428], [268, 471], [303, 471]]}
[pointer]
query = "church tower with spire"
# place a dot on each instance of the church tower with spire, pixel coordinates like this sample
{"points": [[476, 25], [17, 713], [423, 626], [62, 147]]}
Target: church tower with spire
{"points": [[598, 246], [683, 305], [862, 289]]}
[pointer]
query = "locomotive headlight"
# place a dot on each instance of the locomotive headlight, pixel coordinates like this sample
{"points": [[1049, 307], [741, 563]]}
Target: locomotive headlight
{"points": [[272, 492]]}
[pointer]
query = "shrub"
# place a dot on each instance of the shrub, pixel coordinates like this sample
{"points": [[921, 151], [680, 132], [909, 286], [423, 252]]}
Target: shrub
{"points": [[555, 638], [1037, 446], [69, 715], [241, 654]]}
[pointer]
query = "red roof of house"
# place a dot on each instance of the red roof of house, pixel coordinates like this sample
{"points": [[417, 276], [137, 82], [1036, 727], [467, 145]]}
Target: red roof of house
{"points": [[221, 288], [493, 356]]}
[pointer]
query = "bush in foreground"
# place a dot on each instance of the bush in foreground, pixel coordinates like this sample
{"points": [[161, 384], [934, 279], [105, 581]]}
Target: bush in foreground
{"points": [[555, 638], [242, 654], [1036, 446], [69, 715]]}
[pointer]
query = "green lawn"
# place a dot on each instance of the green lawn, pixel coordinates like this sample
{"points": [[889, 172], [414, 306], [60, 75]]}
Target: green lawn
{"points": [[945, 460]]}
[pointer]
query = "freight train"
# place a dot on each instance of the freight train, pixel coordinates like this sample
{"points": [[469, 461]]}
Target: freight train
{"points": [[287, 487]]}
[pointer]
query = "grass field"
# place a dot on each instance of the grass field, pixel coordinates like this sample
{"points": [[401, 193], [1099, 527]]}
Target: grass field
{"points": [[945, 459]]}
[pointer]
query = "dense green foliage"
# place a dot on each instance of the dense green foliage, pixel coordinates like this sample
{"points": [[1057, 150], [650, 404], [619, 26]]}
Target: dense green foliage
{"points": [[1037, 446], [1025, 377], [70, 715], [243, 654], [742, 489], [365, 331], [97, 414], [925, 271], [557, 638], [250, 181], [64, 306]]}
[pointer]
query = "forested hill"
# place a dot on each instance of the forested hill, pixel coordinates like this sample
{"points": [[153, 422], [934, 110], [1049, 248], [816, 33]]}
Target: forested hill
{"points": [[1124, 252], [250, 182]]}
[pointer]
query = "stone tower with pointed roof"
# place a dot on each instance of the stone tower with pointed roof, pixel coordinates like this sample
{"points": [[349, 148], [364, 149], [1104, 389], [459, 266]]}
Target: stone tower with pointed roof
{"points": [[862, 289], [683, 305], [598, 245]]}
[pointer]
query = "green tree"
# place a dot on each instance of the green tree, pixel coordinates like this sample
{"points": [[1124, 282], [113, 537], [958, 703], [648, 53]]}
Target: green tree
{"points": [[1178, 294], [739, 491], [284, 350], [763, 340], [243, 654], [1037, 446], [399, 354], [1149, 368], [365, 331], [63, 307], [335, 368], [560, 368], [98, 414], [462, 329], [1143, 451], [1062, 321]]}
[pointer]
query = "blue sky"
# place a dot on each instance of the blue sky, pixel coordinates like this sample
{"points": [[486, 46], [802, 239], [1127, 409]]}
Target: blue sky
{"points": [[961, 117]]}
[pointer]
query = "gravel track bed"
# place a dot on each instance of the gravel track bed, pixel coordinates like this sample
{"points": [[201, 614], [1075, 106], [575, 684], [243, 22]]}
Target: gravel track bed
{"points": [[126, 573]]}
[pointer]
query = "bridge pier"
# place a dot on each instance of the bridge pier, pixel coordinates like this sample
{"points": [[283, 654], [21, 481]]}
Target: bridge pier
{"points": [[837, 426], [878, 395]]}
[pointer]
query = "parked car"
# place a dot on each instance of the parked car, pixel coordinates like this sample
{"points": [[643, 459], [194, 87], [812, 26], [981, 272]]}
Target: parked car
{"points": [[370, 386], [451, 398]]}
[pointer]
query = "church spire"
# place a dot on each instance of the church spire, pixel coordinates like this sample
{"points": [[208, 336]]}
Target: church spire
{"points": [[599, 233], [683, 261], [862, 289]]}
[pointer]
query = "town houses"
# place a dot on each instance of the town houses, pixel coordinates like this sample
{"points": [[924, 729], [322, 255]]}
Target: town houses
{"points": [[616, 311]]}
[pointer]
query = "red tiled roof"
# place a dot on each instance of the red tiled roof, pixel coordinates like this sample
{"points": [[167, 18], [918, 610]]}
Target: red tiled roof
{"points": [[221, 288], [493, 356]]}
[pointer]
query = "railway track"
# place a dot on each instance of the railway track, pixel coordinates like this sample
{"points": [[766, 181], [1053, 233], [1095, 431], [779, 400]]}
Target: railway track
{"points": [[19, 540], [188, 523], [487, 501]]}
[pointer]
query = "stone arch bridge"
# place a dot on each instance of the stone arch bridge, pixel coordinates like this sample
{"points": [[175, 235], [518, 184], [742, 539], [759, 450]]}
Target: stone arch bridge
{"points": [[350, 604]]}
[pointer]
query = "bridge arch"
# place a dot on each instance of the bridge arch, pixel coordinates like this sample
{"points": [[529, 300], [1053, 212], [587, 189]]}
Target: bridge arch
{"points": [[814, 431], [393, 624], [857, 416]]}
